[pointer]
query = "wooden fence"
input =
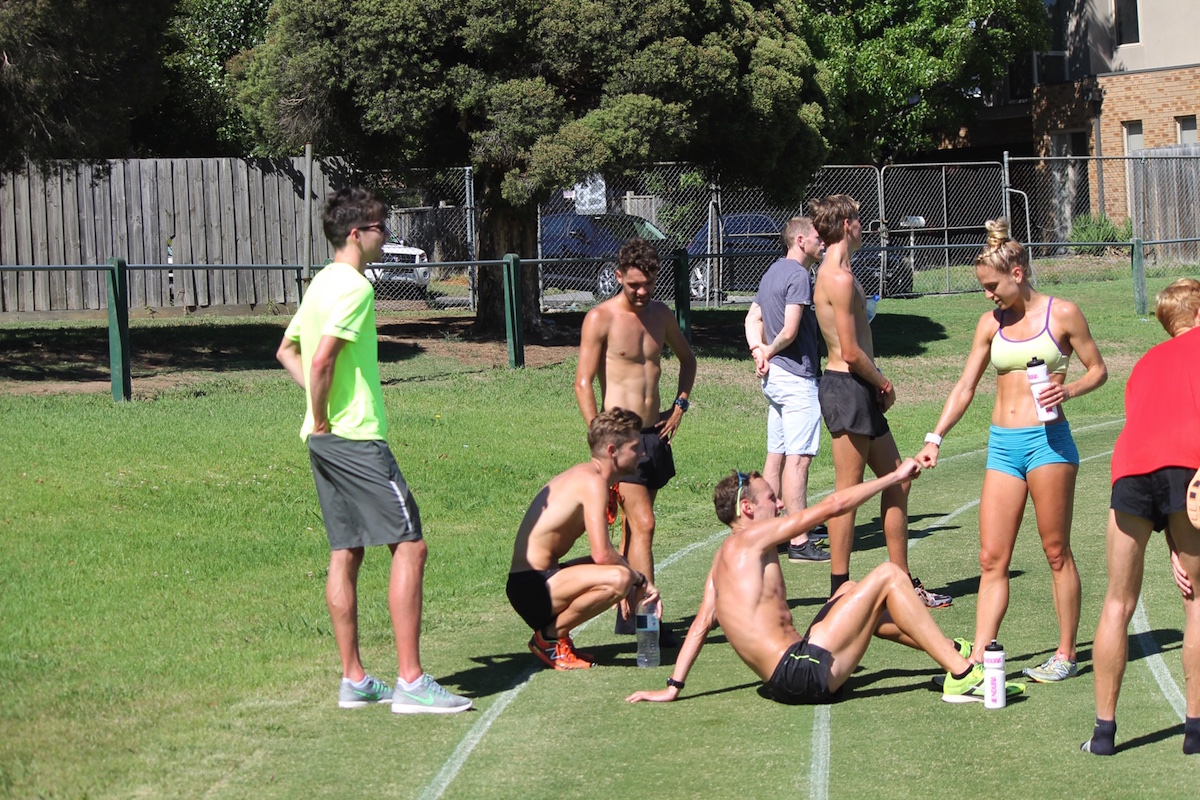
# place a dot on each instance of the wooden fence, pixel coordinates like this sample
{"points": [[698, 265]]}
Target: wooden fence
{"points": [[178, 211]]}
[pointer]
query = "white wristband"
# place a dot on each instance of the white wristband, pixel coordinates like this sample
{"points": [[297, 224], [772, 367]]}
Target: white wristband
{"points": [[933, 438]]}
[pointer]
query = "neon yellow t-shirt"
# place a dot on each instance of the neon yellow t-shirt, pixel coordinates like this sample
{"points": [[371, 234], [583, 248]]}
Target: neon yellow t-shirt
{"points": [[340, 302]]}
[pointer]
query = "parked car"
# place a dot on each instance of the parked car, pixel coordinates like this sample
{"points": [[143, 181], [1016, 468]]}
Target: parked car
{"points": [[734, 257], [570, 235], [400, 274], [744, 236]]}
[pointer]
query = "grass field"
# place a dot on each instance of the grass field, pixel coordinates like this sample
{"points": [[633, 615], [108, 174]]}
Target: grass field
{"points": [[163, 630]]}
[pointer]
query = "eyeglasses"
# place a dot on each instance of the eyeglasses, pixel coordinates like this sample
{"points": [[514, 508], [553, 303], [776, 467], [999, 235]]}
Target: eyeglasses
{"points": [[377, 226], [743, 482]]}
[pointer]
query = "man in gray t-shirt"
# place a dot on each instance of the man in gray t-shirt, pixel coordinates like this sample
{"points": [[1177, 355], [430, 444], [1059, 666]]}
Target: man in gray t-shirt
{"points": [[783, 336]]}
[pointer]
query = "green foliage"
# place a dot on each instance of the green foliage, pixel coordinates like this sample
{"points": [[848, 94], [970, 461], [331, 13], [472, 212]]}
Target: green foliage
{"points": [[1098, 228], [74, 75], [541, 94], [197, 116], [901, 73]]}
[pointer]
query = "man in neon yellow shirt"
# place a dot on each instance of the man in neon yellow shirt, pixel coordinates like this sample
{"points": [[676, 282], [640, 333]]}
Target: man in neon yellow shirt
{"points": [[330, 349]]}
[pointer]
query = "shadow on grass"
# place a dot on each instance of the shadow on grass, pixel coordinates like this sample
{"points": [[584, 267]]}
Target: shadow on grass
{"points": [[721, 333], [80, 353], [1152, 738]]}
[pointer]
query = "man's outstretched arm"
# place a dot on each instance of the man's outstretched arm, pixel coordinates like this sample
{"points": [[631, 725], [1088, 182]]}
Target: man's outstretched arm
{"points": [[705, 619]]}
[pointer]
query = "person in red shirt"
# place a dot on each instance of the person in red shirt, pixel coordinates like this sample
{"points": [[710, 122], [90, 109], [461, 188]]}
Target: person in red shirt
{"points": [[1154, 464]]}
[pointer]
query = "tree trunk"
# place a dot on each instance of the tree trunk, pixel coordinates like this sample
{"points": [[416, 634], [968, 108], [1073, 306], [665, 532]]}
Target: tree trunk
{"points": [[505, 229]]}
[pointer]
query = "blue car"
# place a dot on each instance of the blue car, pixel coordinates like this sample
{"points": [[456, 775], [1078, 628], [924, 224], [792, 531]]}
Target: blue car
{"points": [[734, 257], [596, 236]]}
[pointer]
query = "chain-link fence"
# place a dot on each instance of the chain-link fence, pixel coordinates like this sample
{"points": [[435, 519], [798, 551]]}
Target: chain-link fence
{"points": [[432, 220]]}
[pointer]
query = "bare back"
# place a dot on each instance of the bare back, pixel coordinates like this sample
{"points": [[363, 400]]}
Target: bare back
{"points": [[751, 602], [571, 504], [841, 308], [623, 347]]}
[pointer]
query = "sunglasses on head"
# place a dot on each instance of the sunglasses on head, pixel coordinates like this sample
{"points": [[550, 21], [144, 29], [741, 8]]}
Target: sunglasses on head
{"points": [[743, 482]]}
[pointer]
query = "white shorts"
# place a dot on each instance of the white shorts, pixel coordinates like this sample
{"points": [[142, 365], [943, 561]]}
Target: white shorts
{"points": [[793, 413]]}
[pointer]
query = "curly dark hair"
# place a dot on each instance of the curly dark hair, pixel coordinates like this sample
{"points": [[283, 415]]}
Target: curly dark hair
{"points": [[639, 254]]}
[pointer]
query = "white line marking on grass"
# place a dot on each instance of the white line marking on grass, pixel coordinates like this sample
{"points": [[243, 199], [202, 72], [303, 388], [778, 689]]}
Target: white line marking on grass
{"points": [[818, 770], [1154, 661], [458, 758]]}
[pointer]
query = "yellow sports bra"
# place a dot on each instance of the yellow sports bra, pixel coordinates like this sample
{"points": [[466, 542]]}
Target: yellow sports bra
{"points": [[1009, 354]]}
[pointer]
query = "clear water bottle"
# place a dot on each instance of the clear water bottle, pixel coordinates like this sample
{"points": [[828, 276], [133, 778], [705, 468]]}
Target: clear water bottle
{"points": [[872, 304], [994, 678], [647, 636], [1039, 378]]}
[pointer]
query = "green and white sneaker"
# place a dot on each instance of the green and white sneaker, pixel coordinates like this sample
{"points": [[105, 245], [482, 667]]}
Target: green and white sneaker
{"points": [[1056, 668], [964, 647], [371, 690], [427, 697], [964, 690]]}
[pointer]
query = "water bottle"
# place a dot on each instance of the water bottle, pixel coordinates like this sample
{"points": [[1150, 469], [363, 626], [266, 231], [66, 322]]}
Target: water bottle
{"points": [[1039, 377], [994, 690], [647, 636], [872, 303]]}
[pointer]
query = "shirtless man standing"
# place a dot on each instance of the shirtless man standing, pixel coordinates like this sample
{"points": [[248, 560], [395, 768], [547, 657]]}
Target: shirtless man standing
{"points": [[854, 394], [553, 598], [745, 595], [621, 343]]}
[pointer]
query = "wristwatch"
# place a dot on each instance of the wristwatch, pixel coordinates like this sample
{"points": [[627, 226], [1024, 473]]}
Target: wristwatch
{"points": [[682, 403], [677, 684]]}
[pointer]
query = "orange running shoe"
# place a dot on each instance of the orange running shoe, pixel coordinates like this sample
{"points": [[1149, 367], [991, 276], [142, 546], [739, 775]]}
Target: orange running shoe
{"points": [[557, 654], [580, 654]]}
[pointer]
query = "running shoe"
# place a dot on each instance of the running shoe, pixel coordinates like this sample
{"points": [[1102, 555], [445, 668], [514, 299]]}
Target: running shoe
{"points": [[373, 691], [427, 697], [964, 647], [807, 553], [1054, 669], [588, 657], [559, 654], [930, 599], [964, 690]]}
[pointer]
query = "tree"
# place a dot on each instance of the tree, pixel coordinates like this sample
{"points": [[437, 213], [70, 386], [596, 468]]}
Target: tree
{"points": [[538, 94], [74, 74], [196, 115], [905, 72]]}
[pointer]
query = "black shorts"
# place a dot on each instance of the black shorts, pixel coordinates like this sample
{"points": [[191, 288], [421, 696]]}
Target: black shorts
{"points": [[850, 404], [802, 676], [658, 465], [1153, 496], [364, 499], [529, 593]]}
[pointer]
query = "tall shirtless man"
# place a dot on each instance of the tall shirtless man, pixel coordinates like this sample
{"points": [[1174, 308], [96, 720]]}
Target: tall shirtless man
{"points": [[745, 595], [621, 343], [551, 597], [854, 393]]}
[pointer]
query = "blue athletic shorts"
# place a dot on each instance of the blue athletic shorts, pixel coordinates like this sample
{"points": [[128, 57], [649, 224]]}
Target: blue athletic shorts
{"points": [[1017, 451]]}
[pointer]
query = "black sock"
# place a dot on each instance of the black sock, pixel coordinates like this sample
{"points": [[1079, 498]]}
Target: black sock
{"points": [[836, 580], [1191, 735], [1104, 735], [549, 638], [959, 676]]}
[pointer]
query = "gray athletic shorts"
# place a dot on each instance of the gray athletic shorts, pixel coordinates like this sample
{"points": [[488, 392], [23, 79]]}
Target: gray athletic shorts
{"points": [[364, 498]]}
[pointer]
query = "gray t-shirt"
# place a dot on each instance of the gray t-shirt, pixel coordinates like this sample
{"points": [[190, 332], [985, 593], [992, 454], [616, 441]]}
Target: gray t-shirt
{"points": [[786, 283]]}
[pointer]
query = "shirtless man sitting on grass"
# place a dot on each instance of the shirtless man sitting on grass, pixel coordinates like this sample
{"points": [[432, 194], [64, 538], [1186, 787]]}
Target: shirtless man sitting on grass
{"points": [[744, 592], [554, 598]]}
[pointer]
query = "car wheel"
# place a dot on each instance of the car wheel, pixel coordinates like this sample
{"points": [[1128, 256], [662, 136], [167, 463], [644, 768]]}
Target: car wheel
{"points": [[606, 281]]}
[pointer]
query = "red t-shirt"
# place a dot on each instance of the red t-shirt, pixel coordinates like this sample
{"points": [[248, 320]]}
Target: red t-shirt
{"points": [[1162, 410]]}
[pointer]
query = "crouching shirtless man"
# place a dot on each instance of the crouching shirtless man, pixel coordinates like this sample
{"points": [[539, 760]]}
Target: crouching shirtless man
{"points": [[745, 594], [554, 598]]}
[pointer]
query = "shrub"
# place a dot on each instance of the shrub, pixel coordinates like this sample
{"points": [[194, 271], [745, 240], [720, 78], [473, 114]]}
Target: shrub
{"points": [[1099, 228]]}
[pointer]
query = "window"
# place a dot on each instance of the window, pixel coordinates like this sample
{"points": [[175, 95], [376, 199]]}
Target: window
{"points": [[1133, 136], [1187, 129], [1125, 15]]}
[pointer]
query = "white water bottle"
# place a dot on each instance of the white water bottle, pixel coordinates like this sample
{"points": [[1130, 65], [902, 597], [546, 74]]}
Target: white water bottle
{"points": [[994, 678], [647, 635], [1039, 377]]}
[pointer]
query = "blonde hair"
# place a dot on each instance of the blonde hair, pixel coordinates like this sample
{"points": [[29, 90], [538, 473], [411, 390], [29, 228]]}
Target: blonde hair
{"points": [[1175, 306], [794, 227], [1002, 253], [616, 426]]}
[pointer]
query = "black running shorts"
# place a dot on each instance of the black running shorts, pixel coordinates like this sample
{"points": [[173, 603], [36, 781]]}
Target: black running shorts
{"points": [[802, 676], [1153, 496], [850, 404]]}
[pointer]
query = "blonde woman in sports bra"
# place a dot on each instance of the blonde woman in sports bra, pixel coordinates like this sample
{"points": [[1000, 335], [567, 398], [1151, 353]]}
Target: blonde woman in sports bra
{"points": [[1026, 457]]}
